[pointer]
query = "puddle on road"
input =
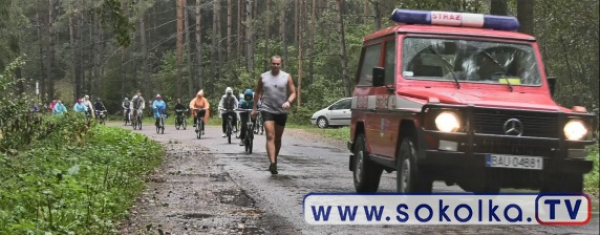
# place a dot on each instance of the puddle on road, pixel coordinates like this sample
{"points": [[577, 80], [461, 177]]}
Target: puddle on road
{"points": [[221, 177], [332, 149], [235, 197]]}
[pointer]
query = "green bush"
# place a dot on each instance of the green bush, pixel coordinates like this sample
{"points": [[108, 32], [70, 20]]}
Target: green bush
{"points": [[592, 179], [81, 186]]}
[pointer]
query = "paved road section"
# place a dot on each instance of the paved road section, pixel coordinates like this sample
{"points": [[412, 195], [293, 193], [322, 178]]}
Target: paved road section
{"points": [[208, 186]]}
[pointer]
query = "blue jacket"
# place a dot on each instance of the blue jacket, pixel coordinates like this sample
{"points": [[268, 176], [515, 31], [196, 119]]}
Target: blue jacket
{"points": [[159, 105], [245, 104], [80, 107], [59, 109]]}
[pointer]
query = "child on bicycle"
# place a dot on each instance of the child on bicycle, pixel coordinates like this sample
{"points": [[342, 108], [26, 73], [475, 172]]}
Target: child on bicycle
{"points": [[246, 103], [159, 106]]}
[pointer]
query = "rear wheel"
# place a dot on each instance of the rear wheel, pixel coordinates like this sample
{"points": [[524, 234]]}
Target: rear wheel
{"points": [[367, 174]]}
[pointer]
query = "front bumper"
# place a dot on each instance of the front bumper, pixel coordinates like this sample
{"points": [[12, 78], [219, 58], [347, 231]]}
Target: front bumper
{"points": [[472, 151]]}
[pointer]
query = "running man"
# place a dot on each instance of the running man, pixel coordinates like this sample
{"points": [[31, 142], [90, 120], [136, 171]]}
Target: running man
{"points": [[274, 86]]}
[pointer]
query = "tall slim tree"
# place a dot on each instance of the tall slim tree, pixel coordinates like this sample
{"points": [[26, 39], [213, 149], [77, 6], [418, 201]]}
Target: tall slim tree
{"points": [[50, 51], [229, 15], [188, 43], [179, 46], [343, 55], [199, 42], [525, 15], [499, 7], [249, 36]]}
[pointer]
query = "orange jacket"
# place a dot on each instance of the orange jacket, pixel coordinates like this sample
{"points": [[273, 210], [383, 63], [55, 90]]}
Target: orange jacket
{"points": [[200, 102]]}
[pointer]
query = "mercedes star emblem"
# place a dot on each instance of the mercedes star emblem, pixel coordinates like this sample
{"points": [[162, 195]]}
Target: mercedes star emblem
{"points": [[513, 127]]}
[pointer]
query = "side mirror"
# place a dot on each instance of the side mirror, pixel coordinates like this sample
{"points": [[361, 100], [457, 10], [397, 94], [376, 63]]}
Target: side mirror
{"points": [[552, 85], [378, 76]]}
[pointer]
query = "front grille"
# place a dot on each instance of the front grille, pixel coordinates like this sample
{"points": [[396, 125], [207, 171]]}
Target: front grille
{"points": [[534, 124], [500, 145]]}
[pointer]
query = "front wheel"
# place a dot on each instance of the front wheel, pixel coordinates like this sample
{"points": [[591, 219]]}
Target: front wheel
{"points": [[367, 174], [408, 177], [184, 123]]}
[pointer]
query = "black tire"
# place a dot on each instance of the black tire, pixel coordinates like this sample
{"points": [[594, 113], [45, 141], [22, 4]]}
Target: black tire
{"points": [[406, 167], [178, 123], [366, 174], [250, 143], [322, 122], [562, 183], [184, 123], [199, 129], [238, 128]]}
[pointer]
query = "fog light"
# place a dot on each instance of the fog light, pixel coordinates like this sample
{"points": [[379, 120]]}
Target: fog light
{"points": [[448, 145]]}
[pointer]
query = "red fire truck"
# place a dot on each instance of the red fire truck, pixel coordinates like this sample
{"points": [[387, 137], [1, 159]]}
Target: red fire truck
{"points": [[465, 99]]}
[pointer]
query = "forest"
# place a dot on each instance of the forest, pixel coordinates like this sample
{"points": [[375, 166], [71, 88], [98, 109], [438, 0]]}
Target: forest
{"points": [[109, 49]]}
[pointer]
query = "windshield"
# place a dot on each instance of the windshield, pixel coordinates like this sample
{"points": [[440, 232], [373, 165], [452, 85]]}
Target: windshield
{"points": [[469, 61]]}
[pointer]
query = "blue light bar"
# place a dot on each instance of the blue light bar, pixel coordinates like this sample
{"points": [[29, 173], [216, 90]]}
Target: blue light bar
{"points": [[507, 23]]}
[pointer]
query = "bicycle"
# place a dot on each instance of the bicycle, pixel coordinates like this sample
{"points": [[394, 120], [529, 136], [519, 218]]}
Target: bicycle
{"points": [[238, 128], [128, 116], [160, 127], [180, 119], [249, 138], [101, 116], [137, 119], [229, 125], [259, 125], [199, 123]]}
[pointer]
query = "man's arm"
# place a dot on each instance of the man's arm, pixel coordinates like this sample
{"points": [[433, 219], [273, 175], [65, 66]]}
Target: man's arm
{"points": [[257, 91], [292, 89]]}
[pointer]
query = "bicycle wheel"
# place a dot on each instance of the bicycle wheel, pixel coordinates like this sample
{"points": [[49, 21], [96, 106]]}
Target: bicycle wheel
{"points": [[199, 129], [140, 123], [184, 122], [177, 123], [162, 125], [238, 127]]}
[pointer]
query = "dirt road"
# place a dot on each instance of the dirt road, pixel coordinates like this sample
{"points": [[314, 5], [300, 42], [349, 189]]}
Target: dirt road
{"points": [[208, 186]]}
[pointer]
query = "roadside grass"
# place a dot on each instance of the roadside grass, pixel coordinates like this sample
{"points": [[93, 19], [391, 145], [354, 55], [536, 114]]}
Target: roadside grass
{"points": [[79, 179]]}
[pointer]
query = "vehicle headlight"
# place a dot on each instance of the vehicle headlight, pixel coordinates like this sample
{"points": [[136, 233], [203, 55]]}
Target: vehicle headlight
{"points": [[447, 121], [575, 130]]}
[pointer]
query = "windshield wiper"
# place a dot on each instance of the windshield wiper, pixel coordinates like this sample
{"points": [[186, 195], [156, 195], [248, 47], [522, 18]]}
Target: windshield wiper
{"points": [[504, 69], [448, 64]]}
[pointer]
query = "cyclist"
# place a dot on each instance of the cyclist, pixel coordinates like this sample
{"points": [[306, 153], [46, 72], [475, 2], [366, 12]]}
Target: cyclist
{"points": [[78, 107], [59, 108], [246, 103], [89, 106], [228, 102], [179, 106], [138, 103], [126, 105], [200, 102], [159, 106], [99, 106]]}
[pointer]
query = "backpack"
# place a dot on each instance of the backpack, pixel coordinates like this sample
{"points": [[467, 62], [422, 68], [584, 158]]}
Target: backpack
{"points": [[229, 103]]}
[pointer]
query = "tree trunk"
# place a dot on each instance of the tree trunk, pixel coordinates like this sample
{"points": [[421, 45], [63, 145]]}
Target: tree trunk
{"points": [[239, 29], [42, 78], [499, 7], [219, 40], [249, 37], [213, 61], [123, 56], [343, 56], [311, 49], [300, 13], [50, 52], [188, 43], [145, 65], [179, 46], [296, 20], [377, 14], [229, 14], [267, 35], [199, 42], [282, 24], [74, 59], [525, 15]]}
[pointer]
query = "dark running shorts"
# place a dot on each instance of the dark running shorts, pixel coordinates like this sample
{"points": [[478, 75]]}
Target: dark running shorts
{"points": [[279, 119]]}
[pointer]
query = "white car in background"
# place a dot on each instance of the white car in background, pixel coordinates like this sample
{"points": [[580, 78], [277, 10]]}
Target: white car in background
{"points": [[336, 114]]}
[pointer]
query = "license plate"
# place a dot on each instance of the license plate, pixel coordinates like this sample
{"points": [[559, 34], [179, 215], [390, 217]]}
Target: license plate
{"points": [[515, 162]]}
